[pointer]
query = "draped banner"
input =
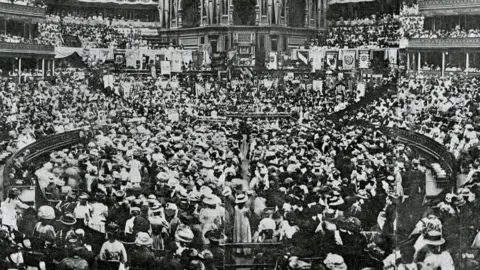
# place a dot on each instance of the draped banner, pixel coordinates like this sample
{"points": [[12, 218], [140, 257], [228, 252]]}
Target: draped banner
{"points": [[272, 63], [348, 59], [62, 52], [331, 2], [165, 67], [177, 62], [316, 58], [364, 59], [332, 57]]}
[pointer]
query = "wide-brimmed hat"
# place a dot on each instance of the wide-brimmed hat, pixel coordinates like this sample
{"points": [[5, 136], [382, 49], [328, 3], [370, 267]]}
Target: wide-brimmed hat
{"points": [[241, 198], [215, 236], [46, 212], [143, 239], [210, 200], [120, 194], [68, 219], [434, 238], [335, 262], [184, 234]]}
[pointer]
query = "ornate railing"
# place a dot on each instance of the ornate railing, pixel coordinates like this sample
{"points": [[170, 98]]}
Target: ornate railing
{"points": [[7, 9], [442, 43], [430, 147], [432, 7], [25, 48], [39, 148]]}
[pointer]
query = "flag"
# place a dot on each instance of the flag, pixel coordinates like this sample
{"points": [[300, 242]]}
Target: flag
{"points": [[332, 59], [40, 198], [303, 56], [348, 59], [364, 59], [165, 68]]}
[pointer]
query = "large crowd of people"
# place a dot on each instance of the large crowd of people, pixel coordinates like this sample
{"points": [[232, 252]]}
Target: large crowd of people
{"points": [[166, 191], [376, 32], [169, 173]]}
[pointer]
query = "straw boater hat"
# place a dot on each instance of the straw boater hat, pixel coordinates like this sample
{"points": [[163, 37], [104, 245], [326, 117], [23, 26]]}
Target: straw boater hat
{"points": [[434, 238], [215, 236], [184, 234], [241, 198], [46, 212], [68, 219]]}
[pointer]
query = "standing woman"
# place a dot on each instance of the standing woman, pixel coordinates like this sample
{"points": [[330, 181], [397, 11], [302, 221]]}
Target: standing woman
{"points": [[135, 176], [241, 227], [10, 207]]}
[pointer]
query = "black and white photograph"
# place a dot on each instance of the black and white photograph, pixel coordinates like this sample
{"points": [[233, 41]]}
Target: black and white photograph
{"points": [[239, 134]]}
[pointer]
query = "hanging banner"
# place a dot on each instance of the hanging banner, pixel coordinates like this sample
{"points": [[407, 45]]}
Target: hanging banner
{"points": [[131, 57], [165, 67], [332, 57], [317, 85], [364, 59], [316, 58], [392, 56], [177, 61], [348, 61], [272, 63]]}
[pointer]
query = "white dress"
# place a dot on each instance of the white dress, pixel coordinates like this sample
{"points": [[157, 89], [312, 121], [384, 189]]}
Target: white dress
{"points": [[135, 176], [99, 211], [9, 212]]}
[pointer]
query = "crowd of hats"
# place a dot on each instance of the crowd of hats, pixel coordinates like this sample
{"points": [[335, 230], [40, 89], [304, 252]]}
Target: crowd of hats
{"points": [[319, 176]]}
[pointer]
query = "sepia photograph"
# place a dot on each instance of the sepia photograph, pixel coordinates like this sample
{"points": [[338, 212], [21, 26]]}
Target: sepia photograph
{"points": [[239, 134]]}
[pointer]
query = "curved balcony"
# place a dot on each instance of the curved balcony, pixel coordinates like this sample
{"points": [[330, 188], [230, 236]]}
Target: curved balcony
{"points": [[34, 152]]}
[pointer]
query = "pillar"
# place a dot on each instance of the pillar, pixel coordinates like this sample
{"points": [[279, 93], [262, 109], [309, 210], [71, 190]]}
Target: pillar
{"points": [[443, 64], [306, 15], [43, 68], [408, 61], [325, 10], [467, 62], [201, 12], [19, 70], [53, 67], [419, 61]]}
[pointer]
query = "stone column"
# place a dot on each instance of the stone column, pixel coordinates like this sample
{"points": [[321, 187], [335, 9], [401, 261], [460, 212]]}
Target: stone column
{"points": [[43, 68], [419, 62], [408, 61], [443, 64], [467, 61], [19, 70], [306, 15]]}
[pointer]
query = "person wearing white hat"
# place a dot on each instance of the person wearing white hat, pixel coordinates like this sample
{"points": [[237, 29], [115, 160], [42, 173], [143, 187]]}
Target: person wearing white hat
{"points": [[260, 181], [141, 257], [241, 224], [433, 255]]}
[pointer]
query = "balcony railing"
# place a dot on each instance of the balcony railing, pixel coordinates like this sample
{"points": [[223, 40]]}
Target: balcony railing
{"points": [[440, 43], [26, 49], [7, 10], [443, 7]]}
